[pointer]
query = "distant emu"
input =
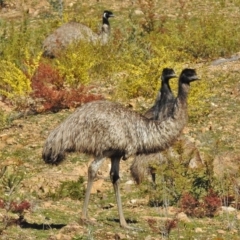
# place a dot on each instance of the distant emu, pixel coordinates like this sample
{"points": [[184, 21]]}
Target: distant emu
{"points": [[108, 130], [74, 32]]}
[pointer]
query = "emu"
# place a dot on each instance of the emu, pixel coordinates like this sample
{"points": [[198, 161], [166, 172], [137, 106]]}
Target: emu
{"points": [[140, 166], [165, 98], [108, 130], [159, 111], [74, 32]]}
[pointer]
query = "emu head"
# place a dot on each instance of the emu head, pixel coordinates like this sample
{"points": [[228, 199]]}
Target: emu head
{"points": [[107, 14], [188, 75], [167, 74]]}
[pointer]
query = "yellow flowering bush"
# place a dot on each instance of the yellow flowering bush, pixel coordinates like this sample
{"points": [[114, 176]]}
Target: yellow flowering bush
{"points": [[76, 64], [13, 82]]}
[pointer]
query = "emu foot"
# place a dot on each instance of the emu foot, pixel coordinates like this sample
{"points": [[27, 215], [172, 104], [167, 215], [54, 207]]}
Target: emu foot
{"points": [[125, 225], [86, 221], [131, 228]]}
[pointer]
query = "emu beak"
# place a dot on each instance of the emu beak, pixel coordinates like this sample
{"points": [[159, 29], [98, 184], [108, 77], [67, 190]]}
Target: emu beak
{"points": [[173, 75], [194, 78]]}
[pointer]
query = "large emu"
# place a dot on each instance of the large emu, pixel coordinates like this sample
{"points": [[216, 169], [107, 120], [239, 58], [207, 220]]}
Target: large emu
{"points": [[160, 110], [74, 32], [108, 130]]}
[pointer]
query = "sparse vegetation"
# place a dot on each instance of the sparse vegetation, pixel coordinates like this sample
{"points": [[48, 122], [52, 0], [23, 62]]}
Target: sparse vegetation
{"points": [[146, 37], [71, 189]]}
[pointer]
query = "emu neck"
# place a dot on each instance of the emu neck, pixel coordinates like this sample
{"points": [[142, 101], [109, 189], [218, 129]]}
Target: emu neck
{"points": [[104, 34], [165, 88], [183, 90], [105, 21]]}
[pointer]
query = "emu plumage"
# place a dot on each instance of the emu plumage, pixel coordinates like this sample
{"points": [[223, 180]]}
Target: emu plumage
{"points": [[107, 129]]}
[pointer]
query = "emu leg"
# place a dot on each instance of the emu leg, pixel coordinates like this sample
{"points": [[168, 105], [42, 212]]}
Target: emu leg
{"points": [[114, 175], [92, 172]]}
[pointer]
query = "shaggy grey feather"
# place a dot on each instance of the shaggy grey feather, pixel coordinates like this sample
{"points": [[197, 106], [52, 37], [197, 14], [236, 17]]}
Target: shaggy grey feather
{"points": [[103, 128]]}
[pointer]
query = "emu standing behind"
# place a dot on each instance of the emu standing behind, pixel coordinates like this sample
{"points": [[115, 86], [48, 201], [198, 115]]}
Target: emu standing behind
{"points": [[108, 130], [160, 110], [165, 98], [73, 32]]}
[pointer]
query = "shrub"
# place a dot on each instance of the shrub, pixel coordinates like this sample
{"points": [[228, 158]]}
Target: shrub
{"points": [[4, 120], [211, 203], [13, 82], [174, 177], [19, 207], [205, 207], [72, 189], [188, 204], [49, 87], [77, 63]]}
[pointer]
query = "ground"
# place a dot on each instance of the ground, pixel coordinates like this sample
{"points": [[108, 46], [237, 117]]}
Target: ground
{"points": [[21, 147]]}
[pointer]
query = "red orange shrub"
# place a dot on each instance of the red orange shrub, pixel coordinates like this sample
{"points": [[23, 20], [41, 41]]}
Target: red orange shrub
{"points": [[2, 204], [205, 207], [211, 203], [188, 204], [48, 86], [20, 207]]}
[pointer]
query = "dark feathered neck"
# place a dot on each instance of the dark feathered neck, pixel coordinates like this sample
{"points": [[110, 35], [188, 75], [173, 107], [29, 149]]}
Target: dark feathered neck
{"points": [[165, 88], [183, 90], [105, 21]]}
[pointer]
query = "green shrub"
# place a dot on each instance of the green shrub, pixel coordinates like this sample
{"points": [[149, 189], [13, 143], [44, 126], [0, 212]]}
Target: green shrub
{"points": [[13, 82], [72, 189], [4, 119], [174, 178], [77, 63]]}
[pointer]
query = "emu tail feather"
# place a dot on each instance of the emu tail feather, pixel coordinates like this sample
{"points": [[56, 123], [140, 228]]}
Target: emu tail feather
{"points": [[55, 147]]}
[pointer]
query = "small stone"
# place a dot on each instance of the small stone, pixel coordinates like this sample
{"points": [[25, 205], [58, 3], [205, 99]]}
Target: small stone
{"points": [[133, 201], [148, 237], [138, 12], [10, 141], [198, 230], [119, 236], [183, 217], [130, 182], [228, 209], [111, 204]]}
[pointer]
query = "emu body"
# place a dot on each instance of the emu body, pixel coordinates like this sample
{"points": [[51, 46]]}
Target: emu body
{"points": [[74, 32], [106, 129]]}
